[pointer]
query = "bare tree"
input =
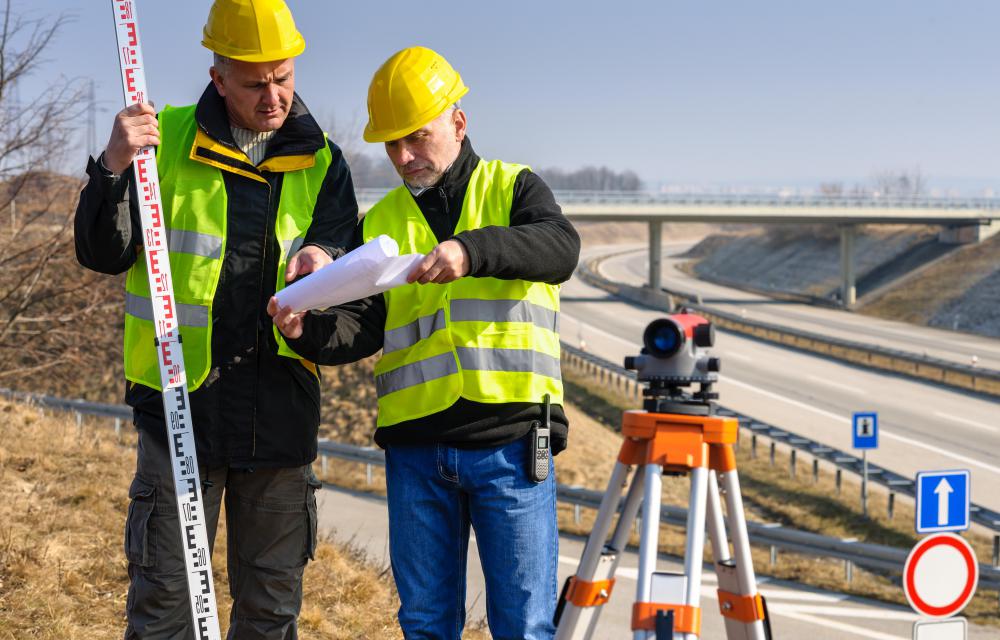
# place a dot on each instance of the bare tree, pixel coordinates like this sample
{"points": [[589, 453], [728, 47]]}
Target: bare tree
{"points": [[899, 184], [57, 322]]}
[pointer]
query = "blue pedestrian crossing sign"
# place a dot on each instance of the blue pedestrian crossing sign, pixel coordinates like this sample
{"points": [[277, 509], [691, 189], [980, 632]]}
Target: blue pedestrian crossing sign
{"points": [[865, 430], [943, 501]]}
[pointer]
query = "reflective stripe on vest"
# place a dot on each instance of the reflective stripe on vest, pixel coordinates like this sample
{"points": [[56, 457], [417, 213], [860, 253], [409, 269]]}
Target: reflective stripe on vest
{"points": [[199, 244], [195, 214], [483, 339]]}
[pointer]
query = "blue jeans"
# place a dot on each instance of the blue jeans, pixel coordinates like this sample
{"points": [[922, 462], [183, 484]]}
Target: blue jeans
{"points": [[435, 492]]}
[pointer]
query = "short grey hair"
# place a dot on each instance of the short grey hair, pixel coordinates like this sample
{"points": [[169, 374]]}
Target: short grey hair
{"points": [[220, 62]]}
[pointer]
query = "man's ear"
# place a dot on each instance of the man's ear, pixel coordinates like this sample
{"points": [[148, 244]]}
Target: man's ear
{"points": [[458, 117], [217, 80]]}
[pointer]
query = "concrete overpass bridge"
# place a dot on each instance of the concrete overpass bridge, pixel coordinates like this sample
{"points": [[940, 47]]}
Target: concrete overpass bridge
{"points": [[962, 220]]}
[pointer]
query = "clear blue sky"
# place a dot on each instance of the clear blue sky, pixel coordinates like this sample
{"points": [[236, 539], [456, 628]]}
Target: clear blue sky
{"points": [[701, 93]]}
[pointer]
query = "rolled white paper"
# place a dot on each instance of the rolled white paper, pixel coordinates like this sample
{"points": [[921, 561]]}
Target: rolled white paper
{"points": [[374, 267]]}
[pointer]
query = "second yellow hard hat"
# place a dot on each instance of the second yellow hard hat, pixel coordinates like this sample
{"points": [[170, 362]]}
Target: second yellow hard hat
{"points": [[252, 30], [408, 91]]}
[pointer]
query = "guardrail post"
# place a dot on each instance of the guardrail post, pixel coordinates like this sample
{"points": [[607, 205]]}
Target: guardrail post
{"points": [[118, 428], [323, 465], [840, 475], [996, 551], [848, 571], [79, 423], [774, 555], [772, 452], [864, 483], [368, 474], [576, 514], [791, 463], [815, 470], [892, 503], [753, 446]]}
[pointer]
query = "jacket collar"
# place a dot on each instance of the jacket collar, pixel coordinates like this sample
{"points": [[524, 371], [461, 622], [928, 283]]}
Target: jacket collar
{"points": [[458, 174]]}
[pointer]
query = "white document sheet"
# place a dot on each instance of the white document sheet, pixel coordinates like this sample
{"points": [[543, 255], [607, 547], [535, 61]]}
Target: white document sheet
{"points": [[372, 268]]}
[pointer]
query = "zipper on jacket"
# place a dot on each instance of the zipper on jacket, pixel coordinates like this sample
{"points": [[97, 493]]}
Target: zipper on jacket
{"points": [[260, 290], [444, 197]]}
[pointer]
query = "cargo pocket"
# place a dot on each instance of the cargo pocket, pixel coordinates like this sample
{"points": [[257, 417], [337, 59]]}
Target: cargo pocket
{"points": [[314, 484], [138, 538]]}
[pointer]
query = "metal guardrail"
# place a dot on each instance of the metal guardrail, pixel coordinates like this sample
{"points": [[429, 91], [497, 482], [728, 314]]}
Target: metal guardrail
{"points": [[872, 556], [770, 200], [912, 365]]}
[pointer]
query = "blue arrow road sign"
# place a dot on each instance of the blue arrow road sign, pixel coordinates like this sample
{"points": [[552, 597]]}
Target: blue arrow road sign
{"points": [[943, 501], [865, 430]]}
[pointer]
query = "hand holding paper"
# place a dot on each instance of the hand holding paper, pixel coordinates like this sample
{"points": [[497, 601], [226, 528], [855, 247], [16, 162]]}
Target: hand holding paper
{"points": [[372, 268]]}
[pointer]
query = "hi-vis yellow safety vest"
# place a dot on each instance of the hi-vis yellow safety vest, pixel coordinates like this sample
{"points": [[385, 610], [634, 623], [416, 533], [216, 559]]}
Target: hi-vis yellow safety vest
{"points": [[195, 209], [483, 339]]}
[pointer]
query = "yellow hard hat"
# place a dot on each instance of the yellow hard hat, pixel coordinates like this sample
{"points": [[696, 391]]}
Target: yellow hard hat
{"points": [[409, 90], [252, 30]]}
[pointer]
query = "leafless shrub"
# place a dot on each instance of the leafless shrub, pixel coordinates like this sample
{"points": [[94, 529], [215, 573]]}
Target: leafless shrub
{"points": [[49, 339]]}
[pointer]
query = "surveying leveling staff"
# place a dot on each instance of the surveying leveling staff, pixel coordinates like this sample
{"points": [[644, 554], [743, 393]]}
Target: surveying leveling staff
{"points": [[254, 195], [470, 348]]}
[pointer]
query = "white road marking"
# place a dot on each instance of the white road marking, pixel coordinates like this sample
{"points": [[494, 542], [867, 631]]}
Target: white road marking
{"points": [[823, 623], [836, 385], [971, 423]]}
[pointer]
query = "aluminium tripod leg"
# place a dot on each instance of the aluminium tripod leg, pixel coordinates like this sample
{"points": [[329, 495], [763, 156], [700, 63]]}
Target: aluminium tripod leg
{"points": [[739, 602], [660, 591], [589, 589]]}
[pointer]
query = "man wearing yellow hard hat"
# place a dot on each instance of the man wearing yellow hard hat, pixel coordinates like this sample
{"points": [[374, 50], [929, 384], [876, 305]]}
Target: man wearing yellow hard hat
{"points": [[254, 195], [470, 350]]}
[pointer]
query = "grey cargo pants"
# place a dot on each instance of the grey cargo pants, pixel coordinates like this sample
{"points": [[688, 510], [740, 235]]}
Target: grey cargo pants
{"points": [[271, 534]]}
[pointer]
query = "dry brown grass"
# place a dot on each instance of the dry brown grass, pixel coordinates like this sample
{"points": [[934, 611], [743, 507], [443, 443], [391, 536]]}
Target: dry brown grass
{"points": [[63, 498], [915, 299]]}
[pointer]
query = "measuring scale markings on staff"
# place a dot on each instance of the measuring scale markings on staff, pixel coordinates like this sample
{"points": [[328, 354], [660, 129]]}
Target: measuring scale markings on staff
{"points": [[170, 356]]}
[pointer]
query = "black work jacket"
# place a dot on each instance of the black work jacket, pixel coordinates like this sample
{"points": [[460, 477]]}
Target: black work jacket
{"points": [[540, 245], [255, 408]]}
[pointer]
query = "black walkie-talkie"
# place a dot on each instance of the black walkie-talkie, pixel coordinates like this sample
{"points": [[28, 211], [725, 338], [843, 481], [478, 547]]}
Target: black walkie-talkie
{"points": [[540, 443]]}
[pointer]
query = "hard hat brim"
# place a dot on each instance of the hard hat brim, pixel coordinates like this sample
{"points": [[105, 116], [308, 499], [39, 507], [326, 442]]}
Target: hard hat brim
{"points": [[235, 54]]}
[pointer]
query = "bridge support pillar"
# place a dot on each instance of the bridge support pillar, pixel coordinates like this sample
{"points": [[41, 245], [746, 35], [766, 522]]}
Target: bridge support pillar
{"points": [[655, 255], [848, 292]]}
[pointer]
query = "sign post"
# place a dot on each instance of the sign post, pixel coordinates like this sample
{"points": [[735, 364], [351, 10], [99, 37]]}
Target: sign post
{"points": [[864, 436]]}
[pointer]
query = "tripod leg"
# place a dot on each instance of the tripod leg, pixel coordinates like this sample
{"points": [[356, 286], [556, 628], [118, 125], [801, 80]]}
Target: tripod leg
{"points": [[585, 592], [694, 549], [739, 601], [649, 537]]}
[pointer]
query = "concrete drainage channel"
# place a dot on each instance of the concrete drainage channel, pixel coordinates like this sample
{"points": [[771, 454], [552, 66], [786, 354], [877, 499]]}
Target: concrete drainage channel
{"points": [[912, 365], [771, 535]]}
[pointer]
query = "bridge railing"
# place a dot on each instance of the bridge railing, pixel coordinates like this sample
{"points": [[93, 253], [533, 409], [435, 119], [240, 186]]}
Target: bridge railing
{"points": [[613, 198]]}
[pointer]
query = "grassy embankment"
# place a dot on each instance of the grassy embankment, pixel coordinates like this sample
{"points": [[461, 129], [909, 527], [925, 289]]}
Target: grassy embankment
{"points": [[63, 499]]}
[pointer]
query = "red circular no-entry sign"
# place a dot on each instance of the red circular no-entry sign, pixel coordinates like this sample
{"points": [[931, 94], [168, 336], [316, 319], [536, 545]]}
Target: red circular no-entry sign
{"points": [[940, 575]]}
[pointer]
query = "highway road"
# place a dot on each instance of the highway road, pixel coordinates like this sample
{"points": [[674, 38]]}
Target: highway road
{"points": [[797, 611], [922, 426]]}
